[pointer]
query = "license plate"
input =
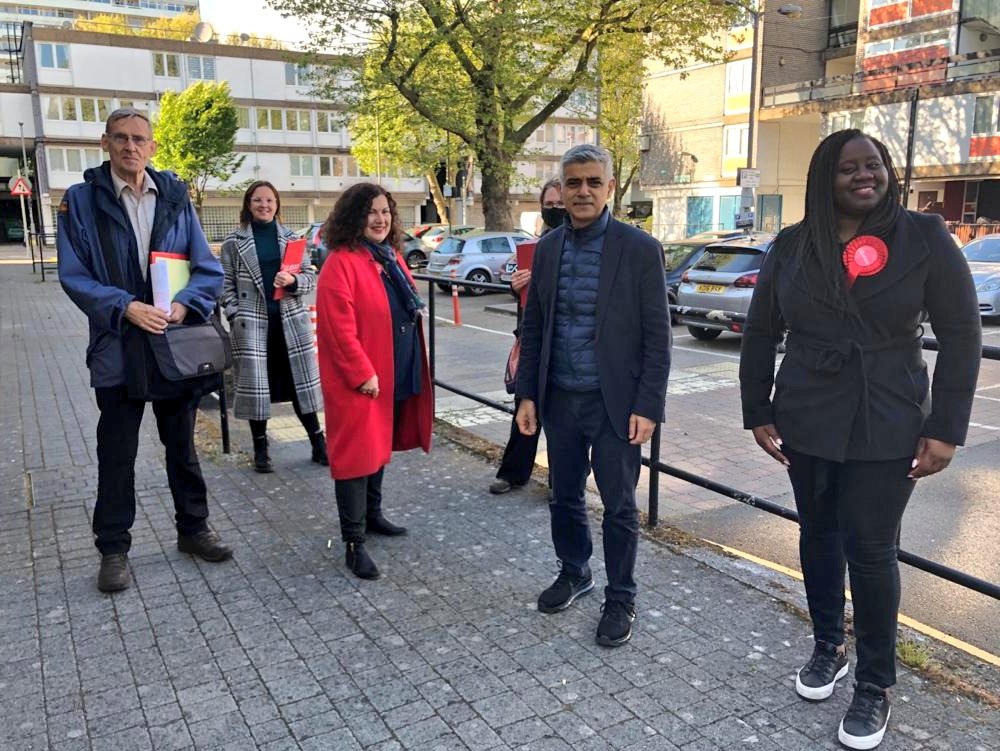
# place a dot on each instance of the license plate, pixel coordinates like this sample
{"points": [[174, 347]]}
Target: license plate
{"points": [[713, 288]]}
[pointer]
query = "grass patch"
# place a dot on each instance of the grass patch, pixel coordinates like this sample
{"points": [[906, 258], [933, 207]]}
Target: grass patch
{"points": [[913, 654]]}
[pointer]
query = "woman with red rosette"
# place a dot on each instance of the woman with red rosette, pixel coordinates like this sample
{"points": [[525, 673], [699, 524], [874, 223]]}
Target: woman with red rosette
{"points": [[853, 416], [372, 362]]}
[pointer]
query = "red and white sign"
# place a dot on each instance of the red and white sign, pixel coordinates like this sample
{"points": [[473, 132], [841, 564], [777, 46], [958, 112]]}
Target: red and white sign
{"points": [[19, 186]]}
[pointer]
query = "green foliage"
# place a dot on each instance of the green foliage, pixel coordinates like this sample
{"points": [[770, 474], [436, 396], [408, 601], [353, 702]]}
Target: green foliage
{"points": [[621, 101], [176, 27], [491, 72], [196, 136]]}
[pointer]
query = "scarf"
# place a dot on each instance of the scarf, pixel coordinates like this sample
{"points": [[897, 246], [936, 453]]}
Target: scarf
{"points": [[385, 255]]}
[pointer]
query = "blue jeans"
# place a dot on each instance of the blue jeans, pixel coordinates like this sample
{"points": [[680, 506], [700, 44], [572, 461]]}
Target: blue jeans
{"points": [[579, 434], [849, 517]]}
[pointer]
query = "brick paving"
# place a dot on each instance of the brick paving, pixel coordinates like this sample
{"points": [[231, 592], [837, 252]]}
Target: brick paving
{"points": [[281, 648]]}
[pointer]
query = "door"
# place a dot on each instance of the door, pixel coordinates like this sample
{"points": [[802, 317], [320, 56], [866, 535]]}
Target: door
{"points": [[769, 212], [728, 208], [699, 214]]}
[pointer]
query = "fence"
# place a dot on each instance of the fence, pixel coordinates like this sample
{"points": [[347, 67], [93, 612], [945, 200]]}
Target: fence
{"points": [[966, 231], [39, 243], [657, 467]]}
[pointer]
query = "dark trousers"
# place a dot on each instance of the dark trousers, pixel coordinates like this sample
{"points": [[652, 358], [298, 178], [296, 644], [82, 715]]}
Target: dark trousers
{"points": [[117, 446], [309, 420], [519, 454], [358, 499], [579, 434], [849, 516]]}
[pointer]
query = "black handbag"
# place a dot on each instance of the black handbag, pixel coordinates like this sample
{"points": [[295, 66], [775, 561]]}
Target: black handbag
{"points": [[192, 350]]}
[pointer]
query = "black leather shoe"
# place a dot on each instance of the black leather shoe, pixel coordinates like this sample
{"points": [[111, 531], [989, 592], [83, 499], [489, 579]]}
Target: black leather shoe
{"points": [[360, 562], [206, 545], [615, 627], [261, 459], [114, 575], [319, 455], [379, 525]]}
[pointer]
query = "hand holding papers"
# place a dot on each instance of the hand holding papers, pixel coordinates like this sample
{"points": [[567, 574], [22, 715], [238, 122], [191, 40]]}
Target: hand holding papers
{"points": [[291, 263], [169, 273]]}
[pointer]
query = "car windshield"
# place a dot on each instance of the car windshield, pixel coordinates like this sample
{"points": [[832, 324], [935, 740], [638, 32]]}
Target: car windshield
{"points": [[730, 260], [450, 246], [675, 253], [985, 250]]}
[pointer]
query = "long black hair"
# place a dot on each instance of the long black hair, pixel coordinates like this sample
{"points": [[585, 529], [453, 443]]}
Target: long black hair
{"points": [[816, 235]]}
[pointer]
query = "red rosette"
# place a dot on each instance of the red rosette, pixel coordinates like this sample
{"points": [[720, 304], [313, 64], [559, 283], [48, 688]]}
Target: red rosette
{"points": [[865, 255]]}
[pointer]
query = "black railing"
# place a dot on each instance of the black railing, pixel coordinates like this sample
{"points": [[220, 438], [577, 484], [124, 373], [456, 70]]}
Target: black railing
{"points": [[657, 467], [38, 244]]}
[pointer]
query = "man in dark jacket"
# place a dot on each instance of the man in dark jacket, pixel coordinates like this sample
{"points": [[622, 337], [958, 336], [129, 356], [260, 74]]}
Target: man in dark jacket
{"points": [[122, 211], [595, 356]]}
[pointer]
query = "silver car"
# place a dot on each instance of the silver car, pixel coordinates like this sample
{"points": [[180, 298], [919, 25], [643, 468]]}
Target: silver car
{"points": [[475, 257], [714, 293], [983, 256]]}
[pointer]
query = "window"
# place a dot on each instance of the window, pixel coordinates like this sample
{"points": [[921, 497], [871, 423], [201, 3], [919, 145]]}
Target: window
{"points": [[54, 55], [735, 138], [166, 65], [242, 117], [909, 42], [296, 75], [201, 67], [982, 119], [94, 110], [495, 245], [331, 166], [297, 120], [57, 160], [325, 122], [92, 157], [351, 167], [845, 120], [73, 161], [560, 134], [738, 77], [268, 119], [301, 166]]}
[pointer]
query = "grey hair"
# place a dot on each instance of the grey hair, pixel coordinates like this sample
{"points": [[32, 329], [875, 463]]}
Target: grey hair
{"points": [[125, 113], [586, 152]]}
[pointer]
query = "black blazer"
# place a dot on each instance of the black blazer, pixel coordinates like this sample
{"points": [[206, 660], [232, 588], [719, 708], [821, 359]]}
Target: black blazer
{"points": [[856, 387], [632, 335]]}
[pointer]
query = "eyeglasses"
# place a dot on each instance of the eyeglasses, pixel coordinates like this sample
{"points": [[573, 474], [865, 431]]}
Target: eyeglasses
{"points": [[553, 205], [121, 139]]}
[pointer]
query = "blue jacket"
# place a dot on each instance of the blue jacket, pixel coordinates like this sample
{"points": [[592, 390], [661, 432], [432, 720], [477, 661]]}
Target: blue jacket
{"points": [[84, 275]]}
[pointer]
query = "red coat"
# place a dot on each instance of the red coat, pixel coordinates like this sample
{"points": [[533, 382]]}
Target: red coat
{"points": [[354, 327]]}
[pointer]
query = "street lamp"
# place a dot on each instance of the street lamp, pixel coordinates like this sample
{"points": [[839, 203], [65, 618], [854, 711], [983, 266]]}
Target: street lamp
{"points": [[27, 220]]}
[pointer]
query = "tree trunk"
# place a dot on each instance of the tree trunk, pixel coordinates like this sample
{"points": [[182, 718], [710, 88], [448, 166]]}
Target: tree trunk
{"points": [[496, 200], [437, 196]]}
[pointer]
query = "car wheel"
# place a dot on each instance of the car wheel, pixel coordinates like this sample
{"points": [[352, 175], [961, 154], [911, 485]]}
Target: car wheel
{"points": [[705, 335], [415, 259], [446, 288], [672, 300], [478, 276]]}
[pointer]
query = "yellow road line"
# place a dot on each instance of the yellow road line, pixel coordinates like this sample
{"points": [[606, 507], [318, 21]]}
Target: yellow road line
{"points": [[26, 262], [923, 628]]}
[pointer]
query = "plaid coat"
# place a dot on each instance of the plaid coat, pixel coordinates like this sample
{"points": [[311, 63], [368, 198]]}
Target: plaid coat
{"points": [[245, 307]]}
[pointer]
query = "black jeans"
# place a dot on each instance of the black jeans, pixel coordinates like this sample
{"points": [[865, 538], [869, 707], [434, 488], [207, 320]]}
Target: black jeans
{"points": [[358, 499], [117, 446], [518, 455], [849, 516], [309, 420], [578, 432]]}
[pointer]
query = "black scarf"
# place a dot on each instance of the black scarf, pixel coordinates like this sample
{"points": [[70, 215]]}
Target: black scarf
{"points": [[386, 258]]}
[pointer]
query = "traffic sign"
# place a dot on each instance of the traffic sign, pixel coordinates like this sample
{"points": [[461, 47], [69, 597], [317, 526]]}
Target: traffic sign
{"points": [[19, 186], [749, 178]]}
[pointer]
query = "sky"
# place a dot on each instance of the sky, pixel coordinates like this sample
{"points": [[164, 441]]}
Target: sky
{"points": [[253, 17]]}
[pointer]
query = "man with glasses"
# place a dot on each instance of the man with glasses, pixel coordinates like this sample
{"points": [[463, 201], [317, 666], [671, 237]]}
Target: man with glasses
{"points": [[107, 227]]}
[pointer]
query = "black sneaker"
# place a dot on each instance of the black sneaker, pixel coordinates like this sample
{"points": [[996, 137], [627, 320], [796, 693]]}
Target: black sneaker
{"points": [[864, 724], [564, 590], [615, 627], [113, 575], [816, 679]]}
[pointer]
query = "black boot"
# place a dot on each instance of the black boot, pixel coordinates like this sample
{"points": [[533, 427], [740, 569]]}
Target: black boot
{"points": [[261, 460], [318, 441], [379, 525], [360, 562]]}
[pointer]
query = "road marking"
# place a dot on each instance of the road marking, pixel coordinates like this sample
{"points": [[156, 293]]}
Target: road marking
{"points": [[990, 398], [987, 388], [984, 427], [477, 328], [916, 625], [707, 352]]}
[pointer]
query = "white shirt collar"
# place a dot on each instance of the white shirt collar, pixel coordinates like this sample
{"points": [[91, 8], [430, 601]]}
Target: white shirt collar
{"points": [[120, 185]]}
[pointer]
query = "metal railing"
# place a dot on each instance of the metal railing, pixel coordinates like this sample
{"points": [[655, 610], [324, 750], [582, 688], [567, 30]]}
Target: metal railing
{"points": [[38, 244], [657, 467]]}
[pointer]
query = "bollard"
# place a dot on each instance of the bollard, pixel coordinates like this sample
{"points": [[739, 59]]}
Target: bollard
{"points": [[312, 323], [456, 310]]}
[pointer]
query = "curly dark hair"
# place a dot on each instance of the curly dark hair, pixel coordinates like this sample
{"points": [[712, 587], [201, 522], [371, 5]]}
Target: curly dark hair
{"points": [[245, 214], [345, 226]]}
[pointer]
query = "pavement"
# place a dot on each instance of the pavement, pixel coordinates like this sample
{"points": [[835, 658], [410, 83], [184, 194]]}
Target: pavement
{"points": [[281, 648]]}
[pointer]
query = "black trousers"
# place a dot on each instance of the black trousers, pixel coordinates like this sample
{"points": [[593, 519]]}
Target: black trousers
{"points": [[309, 420], [519, 454], [358, 499], [578, 433], [849, 516], [117, 446]]}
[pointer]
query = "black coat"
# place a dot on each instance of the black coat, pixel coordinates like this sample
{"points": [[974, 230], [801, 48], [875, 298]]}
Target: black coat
{"points": [[856, 387], [632, 334]]}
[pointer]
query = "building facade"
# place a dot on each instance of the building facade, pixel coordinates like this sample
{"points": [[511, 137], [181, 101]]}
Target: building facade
{"points": [[59, 12], [921, 75]]}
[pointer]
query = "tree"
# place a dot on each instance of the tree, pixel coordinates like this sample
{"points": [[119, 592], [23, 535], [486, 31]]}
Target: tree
{"points": [[176, 27], [491, 72], [196, 136], [253, 40]]}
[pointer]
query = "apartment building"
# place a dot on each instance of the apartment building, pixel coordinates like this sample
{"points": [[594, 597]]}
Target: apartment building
{"points": [[921, 75], [59, 12]]}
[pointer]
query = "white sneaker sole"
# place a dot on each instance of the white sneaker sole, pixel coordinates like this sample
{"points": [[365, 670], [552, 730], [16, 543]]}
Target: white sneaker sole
{"points": [[862, 742], [818, 693]]}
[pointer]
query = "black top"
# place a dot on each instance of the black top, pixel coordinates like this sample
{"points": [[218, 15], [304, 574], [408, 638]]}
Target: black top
{"points": [[265, 240], [855, 387], [405, 353]]}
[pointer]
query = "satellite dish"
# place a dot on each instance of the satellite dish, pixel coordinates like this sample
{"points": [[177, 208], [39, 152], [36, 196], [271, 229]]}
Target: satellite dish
{"points": [[67, 24], [244, 37], [203, 32]]}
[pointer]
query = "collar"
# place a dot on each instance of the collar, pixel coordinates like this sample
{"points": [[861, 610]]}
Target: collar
{"points": [[120, 185], [595, 229]]}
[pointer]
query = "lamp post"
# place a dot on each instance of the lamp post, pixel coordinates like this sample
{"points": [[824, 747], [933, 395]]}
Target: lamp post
{"points": [[27, 222]]}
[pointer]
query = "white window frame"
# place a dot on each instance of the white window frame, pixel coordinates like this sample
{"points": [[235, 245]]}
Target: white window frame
{"points": [[297, 75], [200, 67], [728, 137], [270, 115], [992, 125], [53, 49], [243, 117], [296, 162], [298, 121], [738, 77], [164, 59]]}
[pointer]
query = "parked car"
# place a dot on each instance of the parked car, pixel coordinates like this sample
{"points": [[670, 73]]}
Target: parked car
{"points": [[721, 282], [420, 230], [433, 237], [413, 250], [475, 257], [983, 255], [678, 255], [715, 234]]}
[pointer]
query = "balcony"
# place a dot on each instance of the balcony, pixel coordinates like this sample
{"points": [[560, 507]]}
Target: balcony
{"points": [[843, 36], [981, 15]]}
